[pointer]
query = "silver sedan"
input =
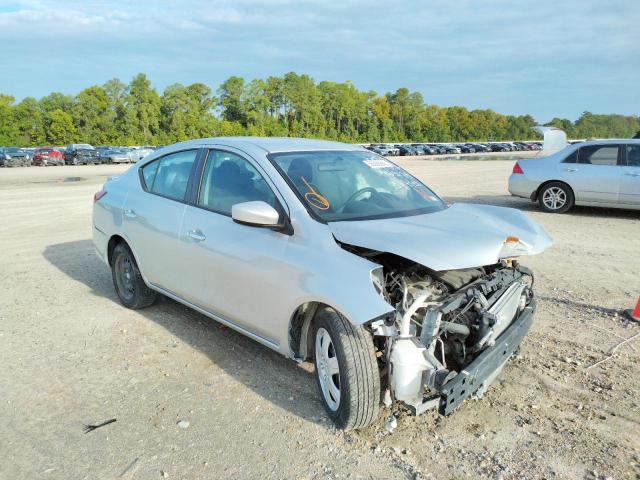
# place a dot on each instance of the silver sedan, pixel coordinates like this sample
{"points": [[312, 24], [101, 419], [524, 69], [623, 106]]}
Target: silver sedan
{"points": [[603, 173], [329, 252]]}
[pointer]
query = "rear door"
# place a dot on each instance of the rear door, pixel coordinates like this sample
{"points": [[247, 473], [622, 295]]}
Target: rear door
{"points": [[630, 179], [153, 215], [596, 175]]}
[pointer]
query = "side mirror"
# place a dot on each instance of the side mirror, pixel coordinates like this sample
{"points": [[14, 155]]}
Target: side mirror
{"points": [[257, 214]]}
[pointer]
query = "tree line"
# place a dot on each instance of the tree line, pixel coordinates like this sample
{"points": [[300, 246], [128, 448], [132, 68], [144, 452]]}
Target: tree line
{"points": [[294, 105]]}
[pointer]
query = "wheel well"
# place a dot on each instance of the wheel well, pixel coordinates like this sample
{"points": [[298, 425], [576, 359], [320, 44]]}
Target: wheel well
{"points": [[113, 241], [534, 197], [300, 341]]}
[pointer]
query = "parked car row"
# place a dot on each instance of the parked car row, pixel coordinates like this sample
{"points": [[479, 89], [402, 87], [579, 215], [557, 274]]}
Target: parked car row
{"points": [[405, 149], [72, 154], [14, 157]]}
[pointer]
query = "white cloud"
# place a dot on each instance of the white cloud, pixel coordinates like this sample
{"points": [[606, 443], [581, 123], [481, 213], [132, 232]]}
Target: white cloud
{"points": [[504, 54]]}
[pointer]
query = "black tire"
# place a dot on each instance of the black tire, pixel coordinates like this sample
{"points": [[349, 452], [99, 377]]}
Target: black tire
{"points": [[556, 197], [358, 377], [130, 287]]}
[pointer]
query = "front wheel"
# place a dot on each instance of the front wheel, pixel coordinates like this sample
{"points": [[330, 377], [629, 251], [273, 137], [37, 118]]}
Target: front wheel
{"points": [[556, 197], [346, 370], [129, 284]]}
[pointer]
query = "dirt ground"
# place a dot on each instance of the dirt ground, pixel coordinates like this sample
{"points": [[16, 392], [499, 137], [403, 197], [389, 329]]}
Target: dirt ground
{"points": [[70, 355]]}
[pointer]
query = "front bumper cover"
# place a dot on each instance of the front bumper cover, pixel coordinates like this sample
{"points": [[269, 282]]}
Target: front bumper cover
{"points": [[482, 371]]}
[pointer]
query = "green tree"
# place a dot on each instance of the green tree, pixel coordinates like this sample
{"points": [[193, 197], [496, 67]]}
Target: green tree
{"points": [[8, 131], [59, 128], [120, 121], [291, 105], [231, 102], [185, 112], [92, 116], [143, 105]]}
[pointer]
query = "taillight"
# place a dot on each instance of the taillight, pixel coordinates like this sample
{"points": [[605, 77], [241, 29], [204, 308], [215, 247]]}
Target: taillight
{"points": [[517, 168], [98, 195]]}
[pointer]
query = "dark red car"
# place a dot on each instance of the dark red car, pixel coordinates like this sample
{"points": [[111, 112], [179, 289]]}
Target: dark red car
{"points": [[47, 156]]}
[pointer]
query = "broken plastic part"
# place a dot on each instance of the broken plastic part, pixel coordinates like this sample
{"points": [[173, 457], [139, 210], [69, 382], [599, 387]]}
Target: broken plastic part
{"points": [[391, 424], [387, 401]]}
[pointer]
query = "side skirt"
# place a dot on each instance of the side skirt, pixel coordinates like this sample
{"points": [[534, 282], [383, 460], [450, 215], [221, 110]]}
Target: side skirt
{"points": [[228, 323]]}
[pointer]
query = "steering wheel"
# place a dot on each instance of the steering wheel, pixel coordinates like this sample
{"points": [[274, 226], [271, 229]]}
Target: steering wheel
{"points": [[362, 191]]}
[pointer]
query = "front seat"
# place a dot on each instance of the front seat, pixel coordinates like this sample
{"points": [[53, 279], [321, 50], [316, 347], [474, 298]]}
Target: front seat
{"points": [[298, 169]]}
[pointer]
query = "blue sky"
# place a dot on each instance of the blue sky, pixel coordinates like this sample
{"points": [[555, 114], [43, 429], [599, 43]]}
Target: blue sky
{"points": [[547, 58]]}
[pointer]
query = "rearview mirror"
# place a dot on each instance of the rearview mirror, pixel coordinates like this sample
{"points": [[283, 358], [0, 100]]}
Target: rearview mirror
{"points": [[258, 214]]}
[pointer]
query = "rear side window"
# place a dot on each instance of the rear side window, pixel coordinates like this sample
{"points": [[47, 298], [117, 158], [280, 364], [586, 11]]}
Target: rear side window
{"points": [[171, 174], [229, 179], [599, 155], [633, 155]]}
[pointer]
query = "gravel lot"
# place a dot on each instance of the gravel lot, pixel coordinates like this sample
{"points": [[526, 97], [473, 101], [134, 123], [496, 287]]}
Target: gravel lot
{"points": [[71, 355]]}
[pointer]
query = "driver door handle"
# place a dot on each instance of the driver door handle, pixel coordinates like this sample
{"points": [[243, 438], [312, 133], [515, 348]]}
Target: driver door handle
{"points": [[570, 169], [196, 235], [129, 213]]}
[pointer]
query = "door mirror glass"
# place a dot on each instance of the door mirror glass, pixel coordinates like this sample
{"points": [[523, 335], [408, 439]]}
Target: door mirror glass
{"points": [[257, 213]]}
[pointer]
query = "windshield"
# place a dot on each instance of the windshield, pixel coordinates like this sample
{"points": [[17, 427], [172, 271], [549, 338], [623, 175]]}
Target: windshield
{"points": [[354, 185]]}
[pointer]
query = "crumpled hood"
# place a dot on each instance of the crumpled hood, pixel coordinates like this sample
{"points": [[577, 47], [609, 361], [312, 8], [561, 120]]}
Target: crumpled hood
{"points": [[461, 236]]}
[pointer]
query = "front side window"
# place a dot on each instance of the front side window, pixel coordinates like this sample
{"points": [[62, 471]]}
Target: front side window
{"points": [[599, 155], [229, 179], [169, 175], [633, 155], [355, 185]]}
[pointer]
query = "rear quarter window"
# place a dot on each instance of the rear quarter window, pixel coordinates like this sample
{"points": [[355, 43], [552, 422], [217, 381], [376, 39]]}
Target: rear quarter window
{"points": [[572, 157], [149, 174]]}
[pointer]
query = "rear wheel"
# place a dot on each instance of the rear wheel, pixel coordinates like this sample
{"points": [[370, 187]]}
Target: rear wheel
{"points": [[346, 370], [556, 197], [130, 287]]}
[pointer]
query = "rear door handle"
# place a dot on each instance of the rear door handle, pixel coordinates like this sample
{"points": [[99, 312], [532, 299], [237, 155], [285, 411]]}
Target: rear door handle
{"points": [[570, 169], [633, 174], [129, 213], [196, 235]]}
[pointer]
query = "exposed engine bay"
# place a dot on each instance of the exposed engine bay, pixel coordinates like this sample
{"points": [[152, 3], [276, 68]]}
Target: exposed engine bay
{"points": [[443, 322]]}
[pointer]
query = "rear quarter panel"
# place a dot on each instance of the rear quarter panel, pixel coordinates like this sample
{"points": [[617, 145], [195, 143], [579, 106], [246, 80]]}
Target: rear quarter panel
{"points": [[107, 212]]}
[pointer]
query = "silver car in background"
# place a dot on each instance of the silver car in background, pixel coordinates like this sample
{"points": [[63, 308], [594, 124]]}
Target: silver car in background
{"points": [[604, 173], [326, 251]]}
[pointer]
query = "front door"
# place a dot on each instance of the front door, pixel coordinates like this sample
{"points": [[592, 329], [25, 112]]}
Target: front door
{"points": [[235, 269]]}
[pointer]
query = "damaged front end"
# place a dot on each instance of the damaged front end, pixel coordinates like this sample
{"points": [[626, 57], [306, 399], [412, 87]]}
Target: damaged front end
{"points": [[452, 331]]}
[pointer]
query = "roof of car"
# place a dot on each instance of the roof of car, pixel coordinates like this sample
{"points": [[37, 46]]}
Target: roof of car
{"points": [[610, 141], [273, 144]]}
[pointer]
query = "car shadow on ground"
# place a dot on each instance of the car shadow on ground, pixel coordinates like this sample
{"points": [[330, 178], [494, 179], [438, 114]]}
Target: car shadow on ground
{"points": [[277, 379], [528, 206]]}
